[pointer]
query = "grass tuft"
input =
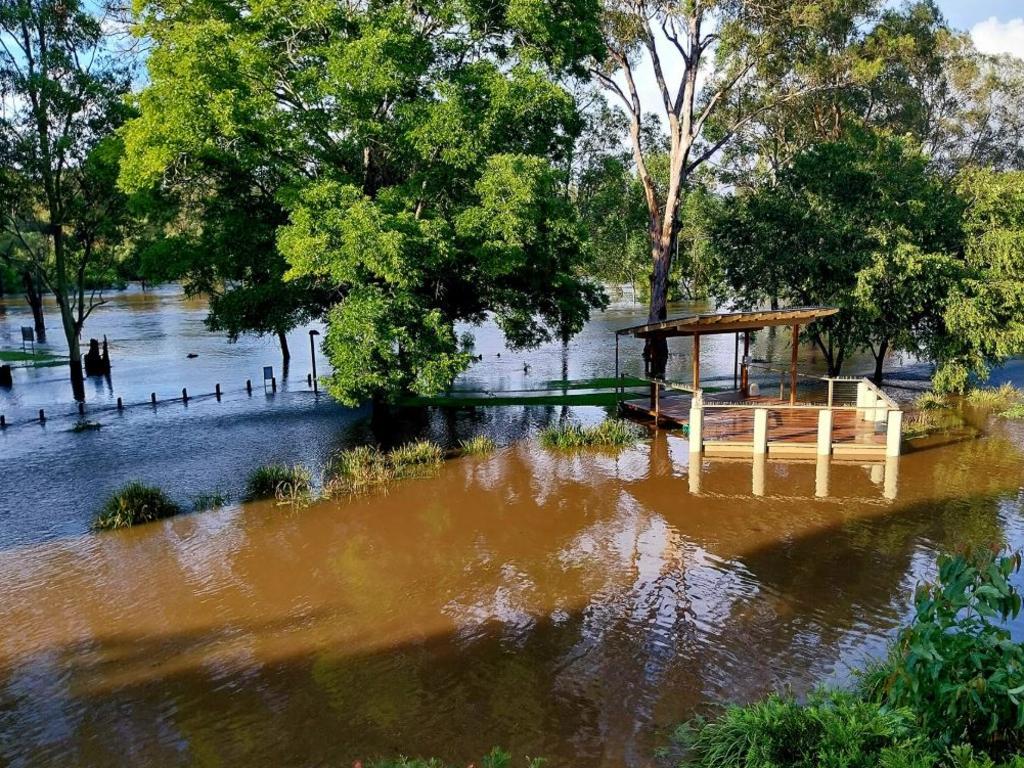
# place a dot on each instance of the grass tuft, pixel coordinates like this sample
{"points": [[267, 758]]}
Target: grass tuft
{"points": [[277, 481], [996, 398], [133, 504], [481, 445], [1015, 412], [86, 426], [930, 401], [611, 433], [211, 500], [366, 467]]}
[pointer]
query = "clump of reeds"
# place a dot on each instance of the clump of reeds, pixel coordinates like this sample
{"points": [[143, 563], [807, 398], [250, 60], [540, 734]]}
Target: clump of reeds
{"points": [[133, 504], [210, 500], [930, 401], [611, 433], [278, 481], [86, 426], [1015, 412], [366, 467], [996, 398], [481, 445]]}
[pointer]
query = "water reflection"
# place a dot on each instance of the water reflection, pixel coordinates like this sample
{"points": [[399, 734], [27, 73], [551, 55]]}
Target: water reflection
{"points": [[573, 606]]}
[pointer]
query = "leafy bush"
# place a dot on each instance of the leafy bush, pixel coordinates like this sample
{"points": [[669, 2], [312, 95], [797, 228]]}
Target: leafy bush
{"points": [[611, 433], [930, 401], [955, 665], [996, 398], [948, 695], [277, 481], [366, 467], [133, 504], [481, 445]]}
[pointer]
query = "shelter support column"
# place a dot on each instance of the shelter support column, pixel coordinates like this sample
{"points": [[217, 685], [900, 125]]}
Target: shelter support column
{"points": [[760, 431], [825, 433], [744, 373], [822, 470], [894, 433], [792, 364], [696, 362], [696, 430]]}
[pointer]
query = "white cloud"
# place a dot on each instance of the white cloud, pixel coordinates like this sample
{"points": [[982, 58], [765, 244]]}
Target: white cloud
{"points": [[995, 36]]}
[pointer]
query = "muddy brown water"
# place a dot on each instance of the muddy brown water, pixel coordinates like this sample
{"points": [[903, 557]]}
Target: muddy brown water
{"points": [[575, 607]]}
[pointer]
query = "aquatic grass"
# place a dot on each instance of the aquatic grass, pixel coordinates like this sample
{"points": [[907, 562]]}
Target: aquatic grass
{"points": [[133, 504], [611, 433], [995, 398], [930, 401], [278, 481], [1015, 412], [211, 500], [480, 445], [496, 758], [367, 467], [86, 426]]}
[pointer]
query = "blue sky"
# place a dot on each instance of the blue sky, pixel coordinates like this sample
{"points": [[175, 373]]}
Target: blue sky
{"points": [[966, 13]]}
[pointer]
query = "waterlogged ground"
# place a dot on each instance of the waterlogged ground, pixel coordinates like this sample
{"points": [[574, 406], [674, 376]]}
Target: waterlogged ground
{"points": [[570, 606]]}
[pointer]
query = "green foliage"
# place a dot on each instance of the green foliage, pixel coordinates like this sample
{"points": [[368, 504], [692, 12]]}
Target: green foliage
{"points": [[133, 504], [1014, 412], [416, 183], [832, 729], [478, 445], [862, 224], [277, 481], [985, 310], [496, 758], [610, 433], [955, 665], [86, 426], [995, 398], [367, 467]]}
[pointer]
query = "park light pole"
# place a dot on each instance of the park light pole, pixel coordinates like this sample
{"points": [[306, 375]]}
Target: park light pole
{"points": [[312, 355]]}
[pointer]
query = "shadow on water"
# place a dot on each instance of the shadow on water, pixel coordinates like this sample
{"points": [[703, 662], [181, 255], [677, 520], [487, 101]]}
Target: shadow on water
{"points": [[568, 606]]}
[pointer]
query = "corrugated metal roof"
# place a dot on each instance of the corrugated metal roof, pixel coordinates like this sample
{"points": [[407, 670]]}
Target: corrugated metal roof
{"points": [[729, 322]]}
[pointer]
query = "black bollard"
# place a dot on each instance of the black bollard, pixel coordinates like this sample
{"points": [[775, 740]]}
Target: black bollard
{"points": [[273, 384], [309, 379], [217, 389], [42, 416], [248, 386], [152, 398], [3, 421], [6, 377], [184, 396], [120, 405]]}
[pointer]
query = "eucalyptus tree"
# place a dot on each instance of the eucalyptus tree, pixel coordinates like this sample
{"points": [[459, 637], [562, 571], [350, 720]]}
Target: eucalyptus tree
{"points": [[61, 90], [718, 65], [418, 150]]}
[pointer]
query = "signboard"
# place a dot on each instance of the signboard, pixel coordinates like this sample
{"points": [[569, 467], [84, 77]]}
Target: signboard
{"points": [[268, 372], [28, 333]]}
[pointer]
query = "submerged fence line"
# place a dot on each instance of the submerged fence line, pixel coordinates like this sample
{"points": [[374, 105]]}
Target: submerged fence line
{"points": [[152, 403]]}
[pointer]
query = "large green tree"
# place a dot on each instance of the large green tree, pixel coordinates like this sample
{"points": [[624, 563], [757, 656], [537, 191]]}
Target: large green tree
{"points": [[863, 224], [62, 88], [419, 151]]}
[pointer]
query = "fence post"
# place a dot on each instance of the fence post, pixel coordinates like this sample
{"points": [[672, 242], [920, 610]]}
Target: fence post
{"points": [[248, 386], [184, 396], [42, 416], [3, 421], [825, 433], [894, 433], [217, 392], [120, 404], [760, 431], [273, 384], [152, 398]]}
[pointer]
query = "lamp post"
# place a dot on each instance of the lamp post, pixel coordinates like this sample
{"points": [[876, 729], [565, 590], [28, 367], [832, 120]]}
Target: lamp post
{"points": [[312, 356]]}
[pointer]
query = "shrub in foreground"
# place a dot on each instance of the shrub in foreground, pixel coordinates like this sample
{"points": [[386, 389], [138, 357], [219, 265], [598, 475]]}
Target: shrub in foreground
{"points": [[947, 696], [611, 433], [996, 398], [133, 504], [277, 481]]}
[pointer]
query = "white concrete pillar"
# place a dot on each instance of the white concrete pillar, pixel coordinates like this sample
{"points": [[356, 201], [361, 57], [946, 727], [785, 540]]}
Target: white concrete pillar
{"points": [[876, 473], [821, 474], [760, 431], [759, 471], [696, 429], [863, 393], [892, 473], [693, 472], [894, 433], [824, 433], [880, 412]]}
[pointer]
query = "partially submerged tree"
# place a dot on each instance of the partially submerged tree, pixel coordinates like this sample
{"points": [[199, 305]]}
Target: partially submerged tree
{"points": [[736, 61], [419, 151], [62, 97]]}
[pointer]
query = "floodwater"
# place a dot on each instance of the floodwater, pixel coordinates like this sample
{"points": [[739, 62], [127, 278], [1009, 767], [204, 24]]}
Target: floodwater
{"points": [[575, 607]]}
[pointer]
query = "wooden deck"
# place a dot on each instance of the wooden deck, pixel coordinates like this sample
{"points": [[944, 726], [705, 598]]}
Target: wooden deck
{"points": [[790, 430]]}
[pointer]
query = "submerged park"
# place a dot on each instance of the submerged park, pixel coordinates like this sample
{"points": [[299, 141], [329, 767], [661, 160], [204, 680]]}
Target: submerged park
{"points": [[518, 383]]}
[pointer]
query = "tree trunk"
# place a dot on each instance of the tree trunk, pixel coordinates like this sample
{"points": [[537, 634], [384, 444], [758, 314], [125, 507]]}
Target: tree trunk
{"points": [[656, 349], [72, 328], [883, 348], [34, 297], [286, 354]]}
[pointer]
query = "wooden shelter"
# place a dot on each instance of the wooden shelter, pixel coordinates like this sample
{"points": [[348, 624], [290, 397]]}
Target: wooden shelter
{"points": [[699, 325]]}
